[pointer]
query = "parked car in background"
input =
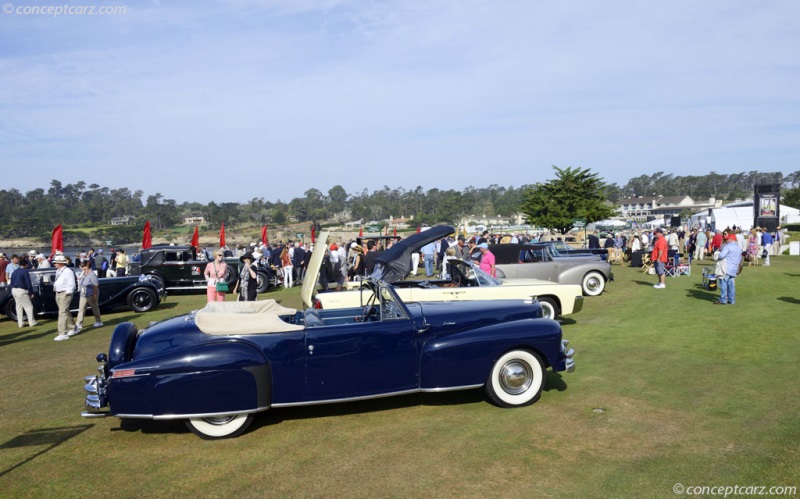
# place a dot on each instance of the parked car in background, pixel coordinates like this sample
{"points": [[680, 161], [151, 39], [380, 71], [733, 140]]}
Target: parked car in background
{"points": [[466, 282], [539, 262], [560, 248], [217, 367], [178, 268], [137, 293]]}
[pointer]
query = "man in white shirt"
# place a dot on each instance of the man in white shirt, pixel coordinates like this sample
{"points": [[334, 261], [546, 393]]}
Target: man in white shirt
{"points": [[64, 288]]}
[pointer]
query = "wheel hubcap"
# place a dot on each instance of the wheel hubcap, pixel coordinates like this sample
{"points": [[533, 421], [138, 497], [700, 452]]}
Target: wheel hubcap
{"points": [[516, 377], [221, 420], [593, 284]]}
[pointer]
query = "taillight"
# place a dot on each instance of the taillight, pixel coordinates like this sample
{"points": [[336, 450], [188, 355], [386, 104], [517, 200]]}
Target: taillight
{"points": [[317, 304]]}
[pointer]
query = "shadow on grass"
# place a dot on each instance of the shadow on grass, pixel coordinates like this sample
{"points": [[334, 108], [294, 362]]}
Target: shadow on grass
{"points": [[27, 333], [553, 381], [646, 283], [790, 299], [51, 437], [701, 293]]}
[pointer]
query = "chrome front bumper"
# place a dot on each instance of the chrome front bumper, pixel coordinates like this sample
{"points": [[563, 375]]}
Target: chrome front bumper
{"points": [[95, 387], [569, 362]]}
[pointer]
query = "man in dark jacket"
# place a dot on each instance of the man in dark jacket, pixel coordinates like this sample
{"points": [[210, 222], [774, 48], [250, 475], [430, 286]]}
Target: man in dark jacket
{"points": [[594, 241]]}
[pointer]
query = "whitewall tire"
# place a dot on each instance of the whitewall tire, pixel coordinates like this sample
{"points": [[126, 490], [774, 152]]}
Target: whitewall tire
{"points": [[216, 427], [593, 283], [516, 379]]}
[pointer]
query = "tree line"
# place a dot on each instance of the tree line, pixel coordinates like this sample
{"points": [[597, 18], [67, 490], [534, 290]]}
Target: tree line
{"points": [[78, 205]]}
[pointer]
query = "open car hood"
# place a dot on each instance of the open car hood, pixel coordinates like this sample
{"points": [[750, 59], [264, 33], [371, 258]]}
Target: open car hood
{"points": [[394, 264], [312, 272]]}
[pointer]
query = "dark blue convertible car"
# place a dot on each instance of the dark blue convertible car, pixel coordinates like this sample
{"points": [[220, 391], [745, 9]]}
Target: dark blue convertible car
{"points": [[218, 366]]}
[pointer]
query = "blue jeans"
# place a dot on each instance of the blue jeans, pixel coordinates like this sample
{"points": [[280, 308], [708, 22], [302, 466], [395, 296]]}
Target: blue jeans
{"points": [[727, 289], [428, 265]]}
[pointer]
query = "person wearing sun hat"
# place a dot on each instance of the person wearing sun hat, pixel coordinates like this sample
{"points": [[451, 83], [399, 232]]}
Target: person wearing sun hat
{"points": [[728, 259], [247, 285], [487, 260], [64, 286]]}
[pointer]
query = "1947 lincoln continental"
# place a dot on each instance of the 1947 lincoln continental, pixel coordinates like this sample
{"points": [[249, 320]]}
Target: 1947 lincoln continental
{"points": [[218, 366]]}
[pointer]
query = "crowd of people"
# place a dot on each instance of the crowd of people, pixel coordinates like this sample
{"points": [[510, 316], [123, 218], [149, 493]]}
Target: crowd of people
{"points": [[355, 259], [79, 275]]}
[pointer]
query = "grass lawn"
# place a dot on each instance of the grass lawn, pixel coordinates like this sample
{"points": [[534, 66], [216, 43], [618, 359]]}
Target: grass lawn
{"points": [[668, 389]]}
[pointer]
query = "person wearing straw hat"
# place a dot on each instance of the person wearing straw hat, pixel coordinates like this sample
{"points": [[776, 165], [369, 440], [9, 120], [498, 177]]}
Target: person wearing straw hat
{"points": [[64, 287], [728, 258]]}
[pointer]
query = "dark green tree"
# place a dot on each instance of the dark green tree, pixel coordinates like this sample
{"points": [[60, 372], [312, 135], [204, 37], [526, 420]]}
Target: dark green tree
{"points": [[575, 193], [791, 197]]}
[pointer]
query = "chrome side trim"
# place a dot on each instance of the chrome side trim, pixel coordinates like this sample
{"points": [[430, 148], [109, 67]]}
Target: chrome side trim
{"points": [[187, 416], [450, 389], [378, 396], [351, 399]]}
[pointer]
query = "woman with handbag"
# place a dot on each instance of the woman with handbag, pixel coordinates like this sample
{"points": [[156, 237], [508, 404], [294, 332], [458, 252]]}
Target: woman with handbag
{"points": [[215, 275]]}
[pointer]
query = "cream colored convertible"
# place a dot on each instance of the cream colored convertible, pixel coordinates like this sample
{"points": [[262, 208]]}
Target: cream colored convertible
{"points": [[466, 282]]}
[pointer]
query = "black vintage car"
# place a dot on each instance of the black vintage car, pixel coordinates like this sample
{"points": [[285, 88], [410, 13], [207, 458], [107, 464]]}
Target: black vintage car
{"points": [[137, 293], [179, 268]]}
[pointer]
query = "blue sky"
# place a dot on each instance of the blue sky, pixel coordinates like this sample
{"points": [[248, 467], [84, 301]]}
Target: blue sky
{"points": [[234, 100]]}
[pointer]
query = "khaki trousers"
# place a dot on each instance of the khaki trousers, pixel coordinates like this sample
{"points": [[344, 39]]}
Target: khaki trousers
{"points": [[90, 301], [24, 303], [65, 322]]}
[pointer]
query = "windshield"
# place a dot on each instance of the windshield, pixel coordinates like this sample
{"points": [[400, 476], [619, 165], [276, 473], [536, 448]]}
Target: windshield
{"points": [[472, 273]]}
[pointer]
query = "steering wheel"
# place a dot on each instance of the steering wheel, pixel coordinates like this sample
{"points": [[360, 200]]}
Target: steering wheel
{"points": [[368, 310]]}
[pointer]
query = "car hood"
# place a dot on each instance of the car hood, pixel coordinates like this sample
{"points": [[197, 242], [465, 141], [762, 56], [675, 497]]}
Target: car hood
{"points": [[394, 264], [312, 272]]}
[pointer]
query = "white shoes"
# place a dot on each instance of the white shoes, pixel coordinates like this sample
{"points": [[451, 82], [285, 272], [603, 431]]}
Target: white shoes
{"points": [[97, 324], [61, 337], [660, 285], [72, 332]]}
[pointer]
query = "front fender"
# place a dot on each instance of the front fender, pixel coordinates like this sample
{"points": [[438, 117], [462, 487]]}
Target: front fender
{"points": [[229, 376], [465, 358]]}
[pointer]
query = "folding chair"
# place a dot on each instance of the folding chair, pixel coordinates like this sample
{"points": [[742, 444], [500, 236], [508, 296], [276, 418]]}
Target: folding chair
{"points": [[614, 255], [647, 263]]}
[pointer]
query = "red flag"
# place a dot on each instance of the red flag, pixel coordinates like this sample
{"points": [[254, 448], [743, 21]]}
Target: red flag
{"points": [[313, 234], [264, 235], [418, 229], [361, 232], [57, 240], [147, 238], [222, 236], [395, 231], [196, 237]]}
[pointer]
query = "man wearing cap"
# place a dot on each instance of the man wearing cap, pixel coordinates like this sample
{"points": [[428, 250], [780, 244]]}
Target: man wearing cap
{"points": [[659, 257], [729, 258], [462, 250], [43, 263], [487, 260], [64, 288]]}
